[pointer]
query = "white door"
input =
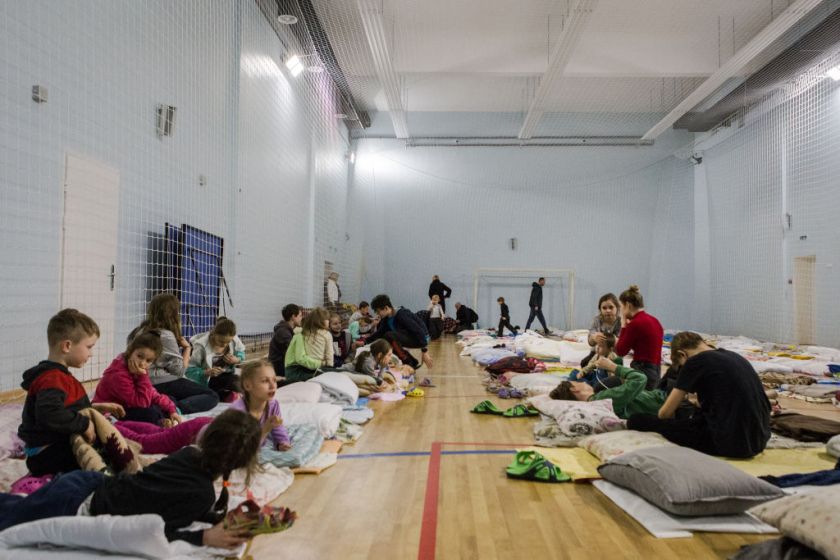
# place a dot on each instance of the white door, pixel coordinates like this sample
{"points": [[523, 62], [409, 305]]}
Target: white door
{"points": [[89, 251], [803, 294]]}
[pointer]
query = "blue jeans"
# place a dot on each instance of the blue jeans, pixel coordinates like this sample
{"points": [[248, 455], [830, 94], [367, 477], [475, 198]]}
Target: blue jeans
{"points": [[61, 497]]}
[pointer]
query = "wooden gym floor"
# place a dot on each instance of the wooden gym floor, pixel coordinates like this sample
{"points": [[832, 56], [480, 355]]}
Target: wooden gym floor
{"points": [[426, 480]]}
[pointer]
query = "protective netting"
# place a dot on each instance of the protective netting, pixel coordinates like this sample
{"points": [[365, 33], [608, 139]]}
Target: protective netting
{"points": [[516, 286], [242, 204], [169, 146]]}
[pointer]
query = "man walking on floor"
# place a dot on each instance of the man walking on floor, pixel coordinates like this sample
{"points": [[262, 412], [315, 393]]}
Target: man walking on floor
{"points": [[535, 303]]}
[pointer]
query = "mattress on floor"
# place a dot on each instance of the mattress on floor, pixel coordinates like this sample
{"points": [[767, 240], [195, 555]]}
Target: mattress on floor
{"points": [[663, 525]]}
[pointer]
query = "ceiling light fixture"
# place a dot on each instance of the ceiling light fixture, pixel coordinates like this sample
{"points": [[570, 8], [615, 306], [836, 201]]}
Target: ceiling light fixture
{"points": [[315, 69], [834, 73], [287, 19], [294, 65]]}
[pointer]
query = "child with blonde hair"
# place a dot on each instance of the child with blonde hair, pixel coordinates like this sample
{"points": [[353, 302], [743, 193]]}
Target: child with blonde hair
{"points": [[258, 384]]}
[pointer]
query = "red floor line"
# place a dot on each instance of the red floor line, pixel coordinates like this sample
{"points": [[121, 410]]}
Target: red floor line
{"points": [[428, 528]]}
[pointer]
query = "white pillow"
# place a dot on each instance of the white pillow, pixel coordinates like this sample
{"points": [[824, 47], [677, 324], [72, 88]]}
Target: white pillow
{"points": [[299, 392], [580, 418], [140, 535], [325, 416], [612, 444]]}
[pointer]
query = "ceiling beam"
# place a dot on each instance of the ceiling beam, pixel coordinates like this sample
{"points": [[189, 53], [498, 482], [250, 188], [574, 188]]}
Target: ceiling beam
{"points": [[576, 20], [775, 29], [374, 26]]}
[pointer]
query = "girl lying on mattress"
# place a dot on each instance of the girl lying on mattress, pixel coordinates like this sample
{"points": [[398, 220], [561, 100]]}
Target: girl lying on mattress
{"points": [[377, 370], [179, 487]]}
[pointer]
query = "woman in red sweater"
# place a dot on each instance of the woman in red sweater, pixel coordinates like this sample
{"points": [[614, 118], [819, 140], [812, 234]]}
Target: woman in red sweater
{"points": [[641, 333]]}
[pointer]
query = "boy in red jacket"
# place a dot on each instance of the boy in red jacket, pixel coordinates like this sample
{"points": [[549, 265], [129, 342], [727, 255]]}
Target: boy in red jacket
{"points": [[54, 398]]}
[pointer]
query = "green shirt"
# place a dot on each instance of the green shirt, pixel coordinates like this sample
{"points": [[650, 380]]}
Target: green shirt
{"points": [[631, 397]]}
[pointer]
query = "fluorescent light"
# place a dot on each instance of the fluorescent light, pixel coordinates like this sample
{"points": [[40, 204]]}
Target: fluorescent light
{"points": [[294, 65], [834, 73]]}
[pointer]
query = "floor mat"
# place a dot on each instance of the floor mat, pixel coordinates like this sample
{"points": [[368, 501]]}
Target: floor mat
{"points": [[574, 461], [663, 525], [777, 462]]}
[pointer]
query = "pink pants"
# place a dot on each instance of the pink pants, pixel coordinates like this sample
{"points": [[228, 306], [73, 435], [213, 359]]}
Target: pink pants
{"points": [[155, 439]]}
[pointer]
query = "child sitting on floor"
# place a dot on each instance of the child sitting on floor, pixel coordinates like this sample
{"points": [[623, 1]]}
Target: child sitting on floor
{"points": [[179, 487], [342, 340], [213, 358], [259, 385], [57, 405], [600, 378], [311, 348], [126, 382]]}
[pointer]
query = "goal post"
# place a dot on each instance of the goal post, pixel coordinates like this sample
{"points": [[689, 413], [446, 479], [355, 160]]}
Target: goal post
{"points": [[514, 284]]}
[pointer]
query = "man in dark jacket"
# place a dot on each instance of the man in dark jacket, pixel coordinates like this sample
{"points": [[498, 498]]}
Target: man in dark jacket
{"points": [[535, 303], [283, 332], [464, 317], [439, 289], [403, 329]]}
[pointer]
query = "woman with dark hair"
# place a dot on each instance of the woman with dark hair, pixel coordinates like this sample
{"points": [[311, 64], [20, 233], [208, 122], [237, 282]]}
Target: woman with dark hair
{"points": [[605, 322]]}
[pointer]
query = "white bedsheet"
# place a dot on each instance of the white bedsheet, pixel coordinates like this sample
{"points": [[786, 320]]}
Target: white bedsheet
{"points": [[105, 536], [663, 525]]}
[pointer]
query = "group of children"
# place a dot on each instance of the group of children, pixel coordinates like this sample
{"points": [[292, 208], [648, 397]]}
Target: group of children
{"points": [[304, 346], [58, 418]]}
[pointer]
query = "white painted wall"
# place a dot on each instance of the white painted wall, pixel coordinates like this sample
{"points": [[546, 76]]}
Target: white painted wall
{"points": [[451, 210], [265, 143]]}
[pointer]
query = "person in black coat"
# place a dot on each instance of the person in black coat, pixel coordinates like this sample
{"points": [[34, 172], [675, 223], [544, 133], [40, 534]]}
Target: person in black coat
{"points": [[535, 303], [441, 290], [464, 317]]}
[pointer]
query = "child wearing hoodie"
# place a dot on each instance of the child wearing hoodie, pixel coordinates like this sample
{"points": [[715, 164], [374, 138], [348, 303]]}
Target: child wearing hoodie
{"points": [[214, 355]]}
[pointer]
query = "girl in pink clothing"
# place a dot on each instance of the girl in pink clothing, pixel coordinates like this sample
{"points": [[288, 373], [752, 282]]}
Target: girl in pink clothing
{"points": [[126, 382], [259, 384]]}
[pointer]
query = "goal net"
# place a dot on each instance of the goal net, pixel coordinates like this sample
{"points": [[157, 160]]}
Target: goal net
{"points": [[514, 284]]}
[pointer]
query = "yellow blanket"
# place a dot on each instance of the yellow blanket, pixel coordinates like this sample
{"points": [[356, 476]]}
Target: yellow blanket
{"points": [[574, 461], [581, 465], [777, 462]]}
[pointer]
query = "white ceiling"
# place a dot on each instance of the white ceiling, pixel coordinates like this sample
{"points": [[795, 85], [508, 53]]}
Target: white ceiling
{"points": [[633, 56]]}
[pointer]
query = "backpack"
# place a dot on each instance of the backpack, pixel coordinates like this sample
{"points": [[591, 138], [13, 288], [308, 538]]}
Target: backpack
{"points": [[473, 316]]}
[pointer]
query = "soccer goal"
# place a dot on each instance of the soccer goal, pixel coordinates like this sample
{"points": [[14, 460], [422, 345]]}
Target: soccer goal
{"points": [[514, 284]]}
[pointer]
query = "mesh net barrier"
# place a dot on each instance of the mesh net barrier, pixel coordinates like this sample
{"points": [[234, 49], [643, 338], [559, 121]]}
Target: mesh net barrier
{"points": [[209, 150]]}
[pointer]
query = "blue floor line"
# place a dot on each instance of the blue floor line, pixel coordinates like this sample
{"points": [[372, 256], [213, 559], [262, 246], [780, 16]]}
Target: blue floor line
{"points": [[426, 453]]}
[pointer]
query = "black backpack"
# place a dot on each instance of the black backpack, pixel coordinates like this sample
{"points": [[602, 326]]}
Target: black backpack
{"points": [[473, 316]]}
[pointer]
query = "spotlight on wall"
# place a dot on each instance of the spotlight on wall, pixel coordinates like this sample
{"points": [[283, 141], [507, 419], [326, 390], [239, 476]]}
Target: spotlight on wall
{"points": [[294, 65], [351, 156], [834, 73], [287, 19]]}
